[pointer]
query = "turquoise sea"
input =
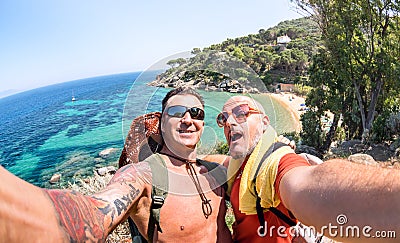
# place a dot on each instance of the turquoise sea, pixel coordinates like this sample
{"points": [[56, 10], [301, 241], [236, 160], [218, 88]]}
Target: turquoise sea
{"points": [[44, 132]]}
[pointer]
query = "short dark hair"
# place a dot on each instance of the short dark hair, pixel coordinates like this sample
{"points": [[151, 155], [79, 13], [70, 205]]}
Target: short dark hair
{"points": [[181, 91]]}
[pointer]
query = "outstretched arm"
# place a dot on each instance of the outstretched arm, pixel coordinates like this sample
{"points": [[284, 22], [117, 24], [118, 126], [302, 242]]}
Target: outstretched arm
{"points": [[29, 213], [338, 190]]}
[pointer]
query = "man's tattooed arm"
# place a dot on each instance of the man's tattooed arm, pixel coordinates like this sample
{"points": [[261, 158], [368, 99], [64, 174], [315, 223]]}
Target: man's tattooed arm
{"points": [[92, 218]]}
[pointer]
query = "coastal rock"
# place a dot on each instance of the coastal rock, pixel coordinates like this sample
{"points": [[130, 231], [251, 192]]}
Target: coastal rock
{"points": [[55, 178], [364, 159], [380, 152], [106, 152], [112, 169], [349, 146], [204, 82], [106, 170], [308, 150], [395, 145], [102, 171], [253, 90]]}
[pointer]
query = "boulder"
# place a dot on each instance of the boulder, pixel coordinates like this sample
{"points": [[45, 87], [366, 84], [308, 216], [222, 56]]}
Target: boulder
{"points": [[112, 169], [349, 144], [55, 178], [106, 152], [102, 171], [380, 152], [364, 159], [395, 145], [106, 170], [308, 150]]}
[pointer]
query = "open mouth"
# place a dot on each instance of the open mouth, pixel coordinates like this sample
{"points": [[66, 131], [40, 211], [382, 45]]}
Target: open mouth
{"points": [[235, 136], [185, 131]]}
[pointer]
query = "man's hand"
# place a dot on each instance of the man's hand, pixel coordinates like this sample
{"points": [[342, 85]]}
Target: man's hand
{"points": [[287, 141], [312, 160]]}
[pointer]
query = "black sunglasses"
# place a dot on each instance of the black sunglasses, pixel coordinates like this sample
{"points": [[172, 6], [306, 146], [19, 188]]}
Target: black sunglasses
{"points": [[180, 110]]}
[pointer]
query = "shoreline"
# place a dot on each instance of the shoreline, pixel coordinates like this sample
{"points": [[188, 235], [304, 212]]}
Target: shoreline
{"points": [[292, 103]]}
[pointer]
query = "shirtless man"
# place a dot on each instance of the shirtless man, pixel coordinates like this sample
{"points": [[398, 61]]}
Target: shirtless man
{"points": [[182, 217], [194, 210]]}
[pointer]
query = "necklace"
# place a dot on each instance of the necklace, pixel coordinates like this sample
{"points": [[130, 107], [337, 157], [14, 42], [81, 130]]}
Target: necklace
{"points": [[206, 206]]}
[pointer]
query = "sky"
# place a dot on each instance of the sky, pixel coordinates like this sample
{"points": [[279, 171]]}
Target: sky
{"points": [[43, 42]]}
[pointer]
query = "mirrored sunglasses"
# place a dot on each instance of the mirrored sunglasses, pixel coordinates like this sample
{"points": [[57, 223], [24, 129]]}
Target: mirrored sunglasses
{"points": [[240, 113], [180, 110]]}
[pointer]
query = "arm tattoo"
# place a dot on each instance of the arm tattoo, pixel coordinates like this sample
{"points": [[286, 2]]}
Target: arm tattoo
{"points": [[89, 218], [123, 203], [132, 172], [128, 175], [77, 216]]}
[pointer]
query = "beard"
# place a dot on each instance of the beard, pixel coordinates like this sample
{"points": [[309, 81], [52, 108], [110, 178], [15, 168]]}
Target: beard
{"points": [[238, 155], [256, 139], [247, 151]]}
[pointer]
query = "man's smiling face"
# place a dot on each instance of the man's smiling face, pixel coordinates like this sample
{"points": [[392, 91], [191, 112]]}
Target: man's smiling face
{"points": [[181, 133]]}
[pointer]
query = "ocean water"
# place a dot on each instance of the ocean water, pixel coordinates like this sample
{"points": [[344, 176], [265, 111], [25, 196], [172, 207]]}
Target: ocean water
{"points": [[43, 131]]}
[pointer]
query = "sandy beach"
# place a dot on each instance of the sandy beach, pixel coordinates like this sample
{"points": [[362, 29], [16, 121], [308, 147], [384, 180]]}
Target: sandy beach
{"points": [[293, 103]]}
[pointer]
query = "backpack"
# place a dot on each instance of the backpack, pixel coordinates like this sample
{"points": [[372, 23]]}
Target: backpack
{"points": [[143, 143], [143, 139], [303, 232], [160, 192]]}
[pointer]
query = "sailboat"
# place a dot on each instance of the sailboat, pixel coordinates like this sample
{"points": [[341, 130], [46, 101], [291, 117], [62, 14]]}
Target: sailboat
{"points": [[73, 97]]}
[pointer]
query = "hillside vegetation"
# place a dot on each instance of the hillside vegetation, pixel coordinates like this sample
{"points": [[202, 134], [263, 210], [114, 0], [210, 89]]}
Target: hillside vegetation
{"points": [[250, 62], [346, 64]]}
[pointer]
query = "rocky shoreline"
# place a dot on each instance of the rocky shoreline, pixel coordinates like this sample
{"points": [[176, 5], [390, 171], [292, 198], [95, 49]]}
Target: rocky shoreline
{"points": [[202, 82], [100, 165]]}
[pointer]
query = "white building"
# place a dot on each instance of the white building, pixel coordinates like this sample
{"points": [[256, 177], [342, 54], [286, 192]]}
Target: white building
{"points": [[283, 39]]}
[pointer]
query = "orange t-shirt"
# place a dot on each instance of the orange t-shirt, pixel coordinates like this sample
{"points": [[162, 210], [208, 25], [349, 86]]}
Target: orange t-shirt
{"points": [[245, 229]]}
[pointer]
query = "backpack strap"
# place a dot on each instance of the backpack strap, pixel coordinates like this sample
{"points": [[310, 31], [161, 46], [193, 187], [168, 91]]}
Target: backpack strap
{"points": [[289, 220], [159, 192], [260, 210], [135, 234], [217, 171], [277, 212]]}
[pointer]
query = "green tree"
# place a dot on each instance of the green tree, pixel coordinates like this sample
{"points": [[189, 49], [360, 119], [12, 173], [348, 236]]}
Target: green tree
{"points": [[176, 62], [237, 52], [196, 51], [361, 40]]}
